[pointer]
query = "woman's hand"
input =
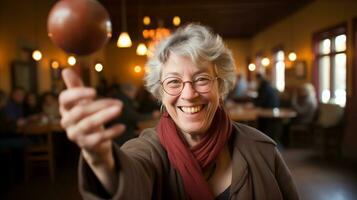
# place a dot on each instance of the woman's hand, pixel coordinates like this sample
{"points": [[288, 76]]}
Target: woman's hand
{"points": [[83, 117]]}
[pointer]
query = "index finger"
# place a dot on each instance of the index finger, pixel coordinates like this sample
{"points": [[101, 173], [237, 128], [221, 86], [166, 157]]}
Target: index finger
{"points": [[71, 79]]}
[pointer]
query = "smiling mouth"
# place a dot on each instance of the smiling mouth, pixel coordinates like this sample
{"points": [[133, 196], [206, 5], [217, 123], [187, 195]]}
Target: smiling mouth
{"points": [[191, 109]]}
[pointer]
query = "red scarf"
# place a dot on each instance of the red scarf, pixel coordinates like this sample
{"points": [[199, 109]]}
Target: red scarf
{"points": [[191, 162]]}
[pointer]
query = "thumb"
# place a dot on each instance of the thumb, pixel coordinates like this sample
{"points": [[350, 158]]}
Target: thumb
{"points": [[71, 79]]}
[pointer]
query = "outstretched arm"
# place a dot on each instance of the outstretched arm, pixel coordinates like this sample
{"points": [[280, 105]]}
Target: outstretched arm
{"points": [[83, 118]]}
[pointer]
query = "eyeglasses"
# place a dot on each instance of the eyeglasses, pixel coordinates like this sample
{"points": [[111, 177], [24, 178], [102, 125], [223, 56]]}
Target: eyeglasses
{"points": [[174, 85]]}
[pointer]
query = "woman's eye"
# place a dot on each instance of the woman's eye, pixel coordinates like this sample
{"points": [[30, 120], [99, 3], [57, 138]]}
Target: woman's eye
{"points": [[174, 81], [202, 80]]}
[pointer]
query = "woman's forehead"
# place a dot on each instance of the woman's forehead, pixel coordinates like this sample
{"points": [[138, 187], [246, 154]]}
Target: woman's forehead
{"points": [[180, 64]]}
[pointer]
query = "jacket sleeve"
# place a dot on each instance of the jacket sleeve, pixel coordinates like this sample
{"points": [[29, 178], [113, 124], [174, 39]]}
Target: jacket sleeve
{"points": [[284, 178], [137, 173]]}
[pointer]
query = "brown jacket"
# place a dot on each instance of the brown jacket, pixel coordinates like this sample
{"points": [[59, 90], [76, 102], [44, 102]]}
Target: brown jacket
{"points": [[259, 171]]}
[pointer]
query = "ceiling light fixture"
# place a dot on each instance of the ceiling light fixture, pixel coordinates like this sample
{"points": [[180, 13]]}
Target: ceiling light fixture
{"points": [[124, 40]]}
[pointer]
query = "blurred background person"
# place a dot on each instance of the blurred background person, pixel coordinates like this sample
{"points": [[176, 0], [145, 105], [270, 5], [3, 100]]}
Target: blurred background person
{"points": [[304, 103], [50, 107], [6, 124], [11, 143], [31, 105], [146, 101], [14, 107], [267, 98], [130, 116], [239, 93], [267, 95]]}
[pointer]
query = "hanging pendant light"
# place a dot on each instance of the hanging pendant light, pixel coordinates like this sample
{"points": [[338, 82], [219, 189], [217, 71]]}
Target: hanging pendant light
{"points": [[36, 54], [124, 38], [141, 50]]}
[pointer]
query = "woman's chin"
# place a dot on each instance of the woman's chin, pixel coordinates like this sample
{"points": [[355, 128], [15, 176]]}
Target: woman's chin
{"points": [[193, 128]]}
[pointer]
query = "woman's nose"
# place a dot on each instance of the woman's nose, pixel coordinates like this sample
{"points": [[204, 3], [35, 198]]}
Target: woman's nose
{"points": [[188, 91]]}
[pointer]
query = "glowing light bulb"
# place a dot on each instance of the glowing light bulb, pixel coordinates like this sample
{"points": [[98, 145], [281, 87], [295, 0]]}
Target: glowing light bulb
{"points": [[98, 67], [37, 55], [176, 21], [124, 40], [292, 56], [71, 60], [54, 64], [265, 62], [251, 67], [146, 20], [137, 69], [141, 50]]}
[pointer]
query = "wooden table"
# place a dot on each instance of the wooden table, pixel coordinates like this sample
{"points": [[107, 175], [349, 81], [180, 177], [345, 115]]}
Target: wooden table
{"points": [[281, 113], [243, 113], [268, 120]]}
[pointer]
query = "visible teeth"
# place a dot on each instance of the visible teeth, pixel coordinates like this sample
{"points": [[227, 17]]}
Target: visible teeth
{"points": [[191, 110]]}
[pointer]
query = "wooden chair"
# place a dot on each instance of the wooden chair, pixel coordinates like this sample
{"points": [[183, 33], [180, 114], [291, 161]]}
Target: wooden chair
{"points": [[39, 149], [329, 130], [302, 135]]}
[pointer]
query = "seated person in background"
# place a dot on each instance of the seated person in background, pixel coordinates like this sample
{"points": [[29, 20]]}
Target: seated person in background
{"points": [[239, 93], [268, 96], [11, 143], [130, 117], [146, 102], [14, 108], [50, 107], [6, 124], [31, 105], [304, 103]]}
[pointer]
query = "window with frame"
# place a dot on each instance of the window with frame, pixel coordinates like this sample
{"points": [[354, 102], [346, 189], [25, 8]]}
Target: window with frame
{"points": [[331, 61], [278, 73]]}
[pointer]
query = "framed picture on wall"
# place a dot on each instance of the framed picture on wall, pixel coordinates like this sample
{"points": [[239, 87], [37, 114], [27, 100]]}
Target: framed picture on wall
{"points": [[24, 75]]}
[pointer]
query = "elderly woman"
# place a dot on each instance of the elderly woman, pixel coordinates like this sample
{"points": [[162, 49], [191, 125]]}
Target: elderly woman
{"points": [[305, 103], [194, 152]]}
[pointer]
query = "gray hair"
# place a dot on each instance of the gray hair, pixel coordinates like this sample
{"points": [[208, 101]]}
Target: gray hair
{"points": [[200, 44]]}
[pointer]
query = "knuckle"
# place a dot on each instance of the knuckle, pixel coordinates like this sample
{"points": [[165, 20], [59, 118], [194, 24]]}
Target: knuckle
{"points": [[63, 122], [80, 111], [62, 97], [71, 136], [87, 125]]}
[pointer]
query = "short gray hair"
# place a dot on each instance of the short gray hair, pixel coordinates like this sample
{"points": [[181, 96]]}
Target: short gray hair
{"points": [[200, 44]]}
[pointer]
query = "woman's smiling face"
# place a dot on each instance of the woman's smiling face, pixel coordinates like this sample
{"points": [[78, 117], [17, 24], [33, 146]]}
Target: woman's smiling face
{"points": [[191, 111]]}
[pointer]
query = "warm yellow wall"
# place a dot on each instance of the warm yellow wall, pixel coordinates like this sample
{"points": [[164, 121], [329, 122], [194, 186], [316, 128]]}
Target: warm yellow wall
{"points": [[241, 51], [295, 32], [18, 29]]}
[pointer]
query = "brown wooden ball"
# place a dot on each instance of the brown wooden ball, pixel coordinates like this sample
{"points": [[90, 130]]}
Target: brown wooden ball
{"points": [[79, 26]]}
